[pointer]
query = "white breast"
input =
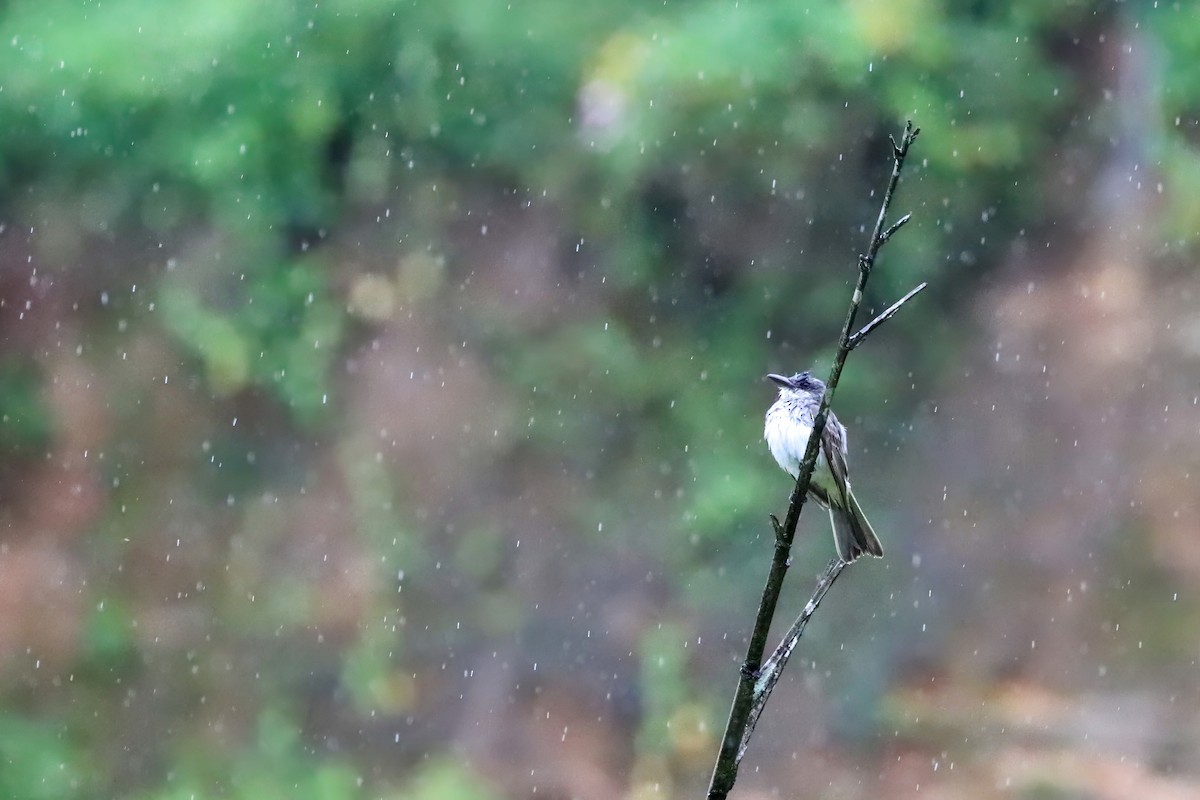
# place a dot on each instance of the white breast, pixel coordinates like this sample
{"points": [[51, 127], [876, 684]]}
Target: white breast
{"points": [[787, 439]]}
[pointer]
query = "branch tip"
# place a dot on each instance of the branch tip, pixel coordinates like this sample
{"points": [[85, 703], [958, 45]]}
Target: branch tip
{"points": [[887, 314], [897, 225], [910, 135]]}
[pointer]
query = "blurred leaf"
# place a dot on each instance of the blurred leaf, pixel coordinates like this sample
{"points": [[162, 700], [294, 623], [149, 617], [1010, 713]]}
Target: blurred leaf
{"points": [[213, 337], [278, 329]]}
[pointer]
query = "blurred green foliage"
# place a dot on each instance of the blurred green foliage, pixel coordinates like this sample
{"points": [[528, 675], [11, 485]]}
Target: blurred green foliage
{"points": [[664, 679], [25, 423], [446, 779], [41, 762], [281, 333], [707, 169], [278, 766]]}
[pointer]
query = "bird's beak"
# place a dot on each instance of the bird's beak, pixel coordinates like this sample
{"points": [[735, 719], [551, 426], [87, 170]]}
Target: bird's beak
{"points": [[781, 380]]}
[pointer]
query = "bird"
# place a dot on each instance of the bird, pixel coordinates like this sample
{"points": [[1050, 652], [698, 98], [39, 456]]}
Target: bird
{"points": [[788, 425]]}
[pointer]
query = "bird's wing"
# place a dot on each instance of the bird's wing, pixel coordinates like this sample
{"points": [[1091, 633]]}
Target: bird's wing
{"points": [[833, 445]]}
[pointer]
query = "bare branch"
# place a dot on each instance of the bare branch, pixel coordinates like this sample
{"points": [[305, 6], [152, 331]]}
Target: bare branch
{"points": [[738, 727], [769, 675], [857, 338]]}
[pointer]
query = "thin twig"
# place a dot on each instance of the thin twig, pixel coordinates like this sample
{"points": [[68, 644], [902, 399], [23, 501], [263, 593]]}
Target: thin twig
{"points": [[733, 744], [857, 338], [772, 669], [897, 225]]}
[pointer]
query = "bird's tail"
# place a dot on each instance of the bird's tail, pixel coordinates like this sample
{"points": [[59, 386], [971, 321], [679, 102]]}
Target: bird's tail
{"points": [[852, 534]]}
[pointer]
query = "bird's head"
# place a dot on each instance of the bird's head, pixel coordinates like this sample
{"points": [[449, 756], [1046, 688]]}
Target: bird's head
{"points": [[800, 382]]}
